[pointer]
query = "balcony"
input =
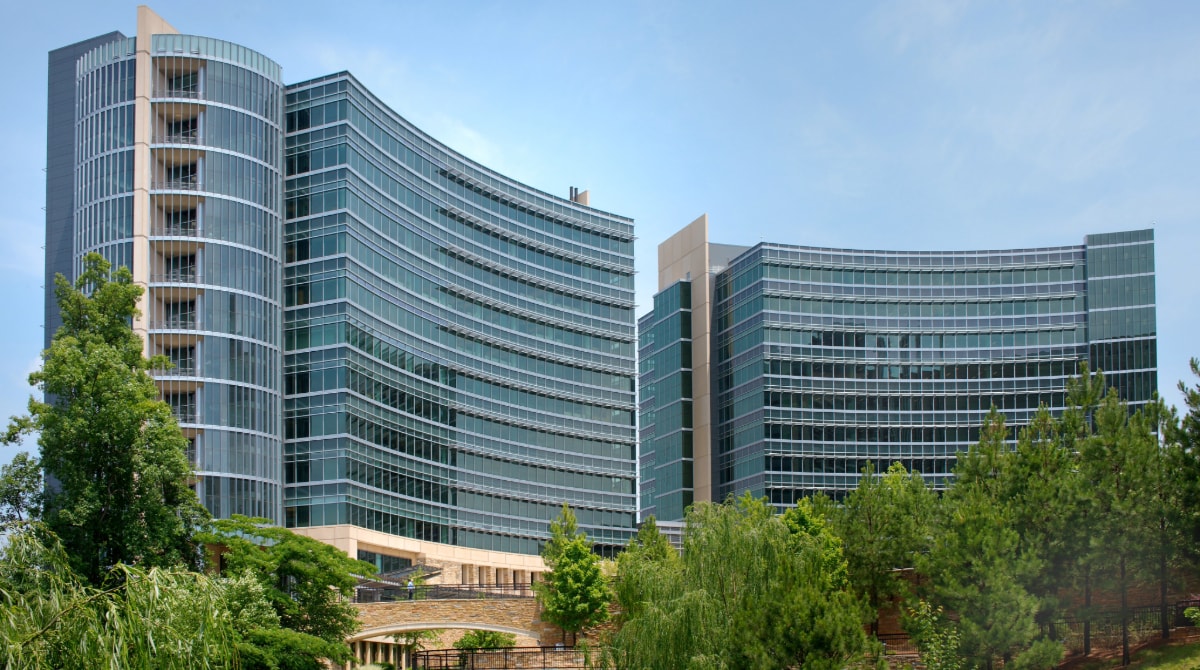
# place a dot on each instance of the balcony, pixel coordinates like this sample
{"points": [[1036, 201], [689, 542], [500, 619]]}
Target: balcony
{"points": [[181, 322], [180, 276], [186, 93], [190, 137], [183, 229], [190, 183]]}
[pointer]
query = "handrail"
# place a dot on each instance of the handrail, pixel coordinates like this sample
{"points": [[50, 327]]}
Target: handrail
{"points": [[367, 594], [525, 658]]}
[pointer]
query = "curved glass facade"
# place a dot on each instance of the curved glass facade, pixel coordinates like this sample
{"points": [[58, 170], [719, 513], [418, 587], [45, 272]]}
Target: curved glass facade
{"points": [[825, 360], [194, 209], [460, 347], [104, 148]]}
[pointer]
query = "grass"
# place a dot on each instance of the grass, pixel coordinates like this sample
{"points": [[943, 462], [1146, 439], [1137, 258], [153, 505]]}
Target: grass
{"points": [[1174, 657]]}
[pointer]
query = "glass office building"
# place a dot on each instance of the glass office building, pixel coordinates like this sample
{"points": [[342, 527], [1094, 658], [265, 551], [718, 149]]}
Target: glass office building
{"points": [[460, 347], [177, 144], [393, 338], [825, 360]]}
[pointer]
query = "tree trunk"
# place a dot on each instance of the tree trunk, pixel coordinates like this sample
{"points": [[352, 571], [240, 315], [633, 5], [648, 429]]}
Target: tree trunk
{"points": [[1163, 614], [1124, 617], [1087, 607]]}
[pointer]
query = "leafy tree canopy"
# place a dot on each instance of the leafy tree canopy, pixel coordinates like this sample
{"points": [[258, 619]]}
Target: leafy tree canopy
{"points": [[114, 448], [145, 618], [20, 489], [307, 582], [574, 593], [485, 639], [745, 594]]}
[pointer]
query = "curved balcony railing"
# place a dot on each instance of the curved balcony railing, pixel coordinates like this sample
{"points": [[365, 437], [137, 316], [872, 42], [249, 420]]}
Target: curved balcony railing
{"points": [[177, 323], [175, 230], [186, 93], [189, 137], [185, 184], [181, 370], [178, 277]]}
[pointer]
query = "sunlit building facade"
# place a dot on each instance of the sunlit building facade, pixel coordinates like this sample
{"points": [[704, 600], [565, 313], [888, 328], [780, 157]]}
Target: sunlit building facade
{"points": [[823, 361], [374, 339]]}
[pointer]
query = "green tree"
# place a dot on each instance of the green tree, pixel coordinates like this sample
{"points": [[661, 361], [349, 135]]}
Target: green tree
{"points": [[574, 593], [810, 531], [885, 525], [649, 558], [50, 617], [976, 564], [115, 449], [563, 529], [485, 639], [260, 641], [746, 593], [1118, 461], [20, 489], [1047, 499], [935, 635], [307, 582]]}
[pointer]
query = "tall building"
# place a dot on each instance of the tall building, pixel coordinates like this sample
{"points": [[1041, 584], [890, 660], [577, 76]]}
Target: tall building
{"points": [[784, 370], [376, 340]]}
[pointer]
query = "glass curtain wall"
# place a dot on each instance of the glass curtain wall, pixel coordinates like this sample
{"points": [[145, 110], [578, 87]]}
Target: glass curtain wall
{"points": [[216, 236], [827, 360], [459, 346]]}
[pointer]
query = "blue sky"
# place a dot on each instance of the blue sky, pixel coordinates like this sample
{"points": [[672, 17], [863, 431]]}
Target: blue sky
{"points": [[894, 125]]}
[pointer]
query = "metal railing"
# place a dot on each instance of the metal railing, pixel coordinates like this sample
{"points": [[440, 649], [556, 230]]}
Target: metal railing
{"points": [[172, 230], [188, 93], [185, 184], [176, 323], [192, 276], [1144, 623], [188, 370], [366, 594], [512, 658], [186, 137]]}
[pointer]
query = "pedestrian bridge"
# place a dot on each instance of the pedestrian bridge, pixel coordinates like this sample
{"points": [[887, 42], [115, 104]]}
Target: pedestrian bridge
{"points": [[519, 616], [381, 620]]}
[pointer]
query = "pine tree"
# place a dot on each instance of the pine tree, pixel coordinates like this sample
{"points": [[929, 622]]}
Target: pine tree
{"points": [[884, 525]]}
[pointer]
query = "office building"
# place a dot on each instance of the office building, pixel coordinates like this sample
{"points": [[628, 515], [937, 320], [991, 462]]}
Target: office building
{"points": [[784, 370], [376, 340]]}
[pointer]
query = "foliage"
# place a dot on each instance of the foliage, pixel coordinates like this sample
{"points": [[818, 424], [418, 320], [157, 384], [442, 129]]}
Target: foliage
{"points": [[563, 530], [285, 649], [647, 560], [114, 448], [20, 489], [885, 524], [810, 531], [1046, 498], [936, 637], [52, 618], [976, 564], [485, 639], [744, 593], [307, 583], [1184, 460], [574, 593], [1117, 462]]}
